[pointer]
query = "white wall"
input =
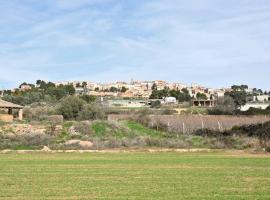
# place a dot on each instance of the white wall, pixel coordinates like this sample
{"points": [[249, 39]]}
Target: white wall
{"points": [[262, 106]]}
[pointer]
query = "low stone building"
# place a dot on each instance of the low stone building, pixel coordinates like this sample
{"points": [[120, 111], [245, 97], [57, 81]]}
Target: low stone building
{"points": [[170, 100], [8, 108], [131, 103], [203, 103]]}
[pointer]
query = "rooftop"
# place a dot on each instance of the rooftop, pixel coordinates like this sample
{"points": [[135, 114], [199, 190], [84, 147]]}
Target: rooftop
{"points": [[5, 104]]}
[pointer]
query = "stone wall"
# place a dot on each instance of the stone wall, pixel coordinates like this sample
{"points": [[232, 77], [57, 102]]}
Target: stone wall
{"points": [[6, 118]]}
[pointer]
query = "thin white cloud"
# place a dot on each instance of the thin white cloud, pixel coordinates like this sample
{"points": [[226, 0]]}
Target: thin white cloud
{"points": [[176, 40]]}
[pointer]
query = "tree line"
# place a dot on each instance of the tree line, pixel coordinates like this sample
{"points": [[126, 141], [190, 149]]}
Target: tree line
{"points": [[44, 91]]}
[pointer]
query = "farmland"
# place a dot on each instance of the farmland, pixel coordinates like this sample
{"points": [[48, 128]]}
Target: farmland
{"points": [[134, 176], [190, 123]]}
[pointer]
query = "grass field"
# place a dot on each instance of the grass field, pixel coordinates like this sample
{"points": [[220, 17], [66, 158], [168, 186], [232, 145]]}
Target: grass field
{"points": [[134, 176]]}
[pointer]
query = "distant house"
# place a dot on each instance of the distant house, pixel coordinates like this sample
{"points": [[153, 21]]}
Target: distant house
{"points": [[132, 103], [9, 108], [25, 87], [170, 100], [203, 103], [79, 91]]}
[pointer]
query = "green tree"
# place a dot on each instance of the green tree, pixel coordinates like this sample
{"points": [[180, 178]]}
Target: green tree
{"points": [[113, 89], [58, 93], [154, 87], [155, 104], [84, 84], [181, 96], [88, 98], [91, 112], [70, 107], [201, 96], [238, 94], [239, 87], [156, 94], [185, 90], [224, 106], [123, 89], [38, 82]]}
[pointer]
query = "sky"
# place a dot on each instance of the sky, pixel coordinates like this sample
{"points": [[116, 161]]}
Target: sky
{"points": [[215, 43]]}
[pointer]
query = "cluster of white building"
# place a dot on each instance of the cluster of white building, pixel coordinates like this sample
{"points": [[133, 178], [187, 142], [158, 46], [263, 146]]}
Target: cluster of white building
{"points": [[139, 89], [143, 89]]}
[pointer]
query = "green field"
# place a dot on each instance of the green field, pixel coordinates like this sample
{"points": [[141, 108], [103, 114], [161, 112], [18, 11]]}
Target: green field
{"points": [[134, 176]]}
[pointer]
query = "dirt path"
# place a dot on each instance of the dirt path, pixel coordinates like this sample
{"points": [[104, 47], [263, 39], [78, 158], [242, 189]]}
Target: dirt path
{"points": [[149, 150]]}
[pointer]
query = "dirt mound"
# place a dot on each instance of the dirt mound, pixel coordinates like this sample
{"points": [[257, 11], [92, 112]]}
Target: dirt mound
{"points": [[83, 144], [46, 149]]}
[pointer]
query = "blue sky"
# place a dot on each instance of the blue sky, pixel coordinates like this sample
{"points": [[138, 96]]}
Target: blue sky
{"points": [[212, 42]]}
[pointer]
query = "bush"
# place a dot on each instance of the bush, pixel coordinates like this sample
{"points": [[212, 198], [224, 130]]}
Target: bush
{"points": [[25, 141], [207, 133], [168, 112], [55, 119], [70, 107], [142, 117], [88, 98], [38, 113], [224, 106], [253, 129], [263, 133], [83, 128], [156, 104], [158, 125], [91, 112]]}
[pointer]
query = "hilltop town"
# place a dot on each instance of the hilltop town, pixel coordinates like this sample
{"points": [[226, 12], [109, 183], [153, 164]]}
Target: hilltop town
{"points": [[141, 93], [137, 89], [132, 89]]}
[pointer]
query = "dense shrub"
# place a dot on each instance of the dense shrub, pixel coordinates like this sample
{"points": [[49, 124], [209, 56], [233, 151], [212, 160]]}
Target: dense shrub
{"points": [[156, 104], [55, 119], [83, 128], [74, 108], [224, 106], [91, 112], [211, 133], [253, 129], [168, 112], [38, 113], [70, 107], [46, 92], [142, 117], [88, 98], [25, 141], [24, 98], [263, 133]]}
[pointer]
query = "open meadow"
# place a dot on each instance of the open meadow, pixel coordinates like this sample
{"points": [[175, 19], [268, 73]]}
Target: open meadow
{"points": [[134, 175]]}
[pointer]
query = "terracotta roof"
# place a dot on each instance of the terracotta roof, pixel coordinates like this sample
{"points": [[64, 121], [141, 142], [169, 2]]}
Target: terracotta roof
{"points": [[5, 104]]}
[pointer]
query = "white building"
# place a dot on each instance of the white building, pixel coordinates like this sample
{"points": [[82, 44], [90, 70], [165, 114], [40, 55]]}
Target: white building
{"points": [[170, 100], [261, 98], [262, 106]]}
